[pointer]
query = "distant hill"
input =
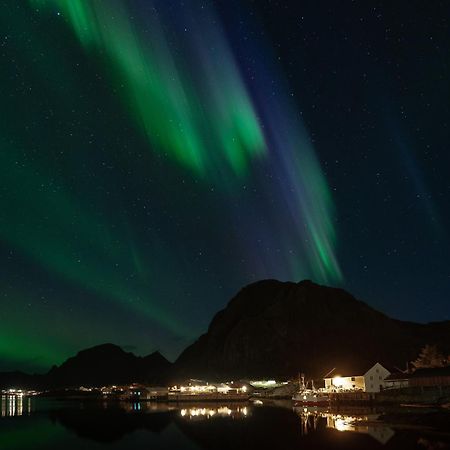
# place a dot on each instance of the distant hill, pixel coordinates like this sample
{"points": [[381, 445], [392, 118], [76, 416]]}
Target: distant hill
{"points": [[97, 366], [273, 328], [109, 364], [19, 380]]}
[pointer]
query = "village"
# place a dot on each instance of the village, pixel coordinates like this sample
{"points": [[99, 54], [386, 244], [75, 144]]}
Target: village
{"points": [[425, 381], [377, 384]]}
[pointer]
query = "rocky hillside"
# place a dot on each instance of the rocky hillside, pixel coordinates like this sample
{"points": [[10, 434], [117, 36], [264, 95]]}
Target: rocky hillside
{"points": [[273, 328]]}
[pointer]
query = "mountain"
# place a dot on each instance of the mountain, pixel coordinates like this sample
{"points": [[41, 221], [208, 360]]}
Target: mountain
{"points": [[97, 366], [20, 380], [108, 364], [273, 328]]}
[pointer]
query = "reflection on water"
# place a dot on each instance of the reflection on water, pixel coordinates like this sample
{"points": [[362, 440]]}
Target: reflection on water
{"points": [[43, 424], [15, 405], [312, 418], [233, 411]]}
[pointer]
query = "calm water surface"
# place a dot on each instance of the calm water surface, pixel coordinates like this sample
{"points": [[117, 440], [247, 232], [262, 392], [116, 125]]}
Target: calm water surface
{"points": [[27, 424]]}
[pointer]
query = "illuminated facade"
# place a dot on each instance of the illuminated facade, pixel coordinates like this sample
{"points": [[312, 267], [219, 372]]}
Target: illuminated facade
{"points": [[372, 380]]}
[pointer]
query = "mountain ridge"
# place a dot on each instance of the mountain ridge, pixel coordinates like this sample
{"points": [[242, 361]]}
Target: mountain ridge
{"points": [[99, 365], [269, 328], [320, 325]]}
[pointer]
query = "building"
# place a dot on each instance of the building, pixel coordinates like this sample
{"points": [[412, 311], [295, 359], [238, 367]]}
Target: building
{"points": [[437, 376], [397, 380], [198, 390], [366, 379], [140, 393], [267, 384]]}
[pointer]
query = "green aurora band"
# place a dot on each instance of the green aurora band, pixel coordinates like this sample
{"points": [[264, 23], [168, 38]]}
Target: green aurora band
{"points": [[185, 116], [193, 108], [31, 197], [178, 115]]}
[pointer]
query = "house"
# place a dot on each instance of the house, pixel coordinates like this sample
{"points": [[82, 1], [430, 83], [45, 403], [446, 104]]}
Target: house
{"points": [[357, 379], [139, 392], [397, 380], [438, 376]]}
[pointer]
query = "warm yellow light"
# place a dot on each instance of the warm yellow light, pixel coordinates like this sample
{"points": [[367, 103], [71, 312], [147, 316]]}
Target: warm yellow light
{"points": [[338, 381], [340, 425]]}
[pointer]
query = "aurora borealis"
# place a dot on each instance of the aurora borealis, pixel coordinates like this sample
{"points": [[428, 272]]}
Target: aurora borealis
{"points": [[157, 155], [180, 110]]}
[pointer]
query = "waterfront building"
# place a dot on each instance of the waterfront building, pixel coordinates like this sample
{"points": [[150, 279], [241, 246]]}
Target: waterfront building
{"points": [[436, 376], [366, 380]]}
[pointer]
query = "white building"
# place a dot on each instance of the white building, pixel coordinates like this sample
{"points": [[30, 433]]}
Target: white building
{"points": [[371, 380]]}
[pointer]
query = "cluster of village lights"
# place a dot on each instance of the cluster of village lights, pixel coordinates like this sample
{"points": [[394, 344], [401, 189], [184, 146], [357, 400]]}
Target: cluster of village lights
{"points": [[207, 388]]}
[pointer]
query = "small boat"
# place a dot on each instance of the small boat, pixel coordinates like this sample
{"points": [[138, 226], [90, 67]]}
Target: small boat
{"points": [[309, 397]]}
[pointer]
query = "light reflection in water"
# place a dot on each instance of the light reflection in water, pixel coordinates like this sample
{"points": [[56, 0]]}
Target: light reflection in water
{"points": [[15, 405], [136, 406], [214, 411], [186, 410], [312, 419]]}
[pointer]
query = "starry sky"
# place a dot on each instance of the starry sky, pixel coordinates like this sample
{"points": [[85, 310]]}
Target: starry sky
{"points": [[156, 156]]}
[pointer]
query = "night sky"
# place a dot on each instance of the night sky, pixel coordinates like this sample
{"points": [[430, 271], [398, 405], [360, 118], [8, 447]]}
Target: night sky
{"points": [[158, 155]]}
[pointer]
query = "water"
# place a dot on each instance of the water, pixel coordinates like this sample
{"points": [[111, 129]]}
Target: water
{"points": [[39, 423]]}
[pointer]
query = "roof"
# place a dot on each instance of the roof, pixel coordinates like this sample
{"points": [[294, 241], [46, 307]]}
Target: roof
{"points": [[351, 370], [395, 376], [431, 372]]}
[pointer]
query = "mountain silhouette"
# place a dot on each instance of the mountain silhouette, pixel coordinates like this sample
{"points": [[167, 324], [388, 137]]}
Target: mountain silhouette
{"points": [[273, 328]]}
